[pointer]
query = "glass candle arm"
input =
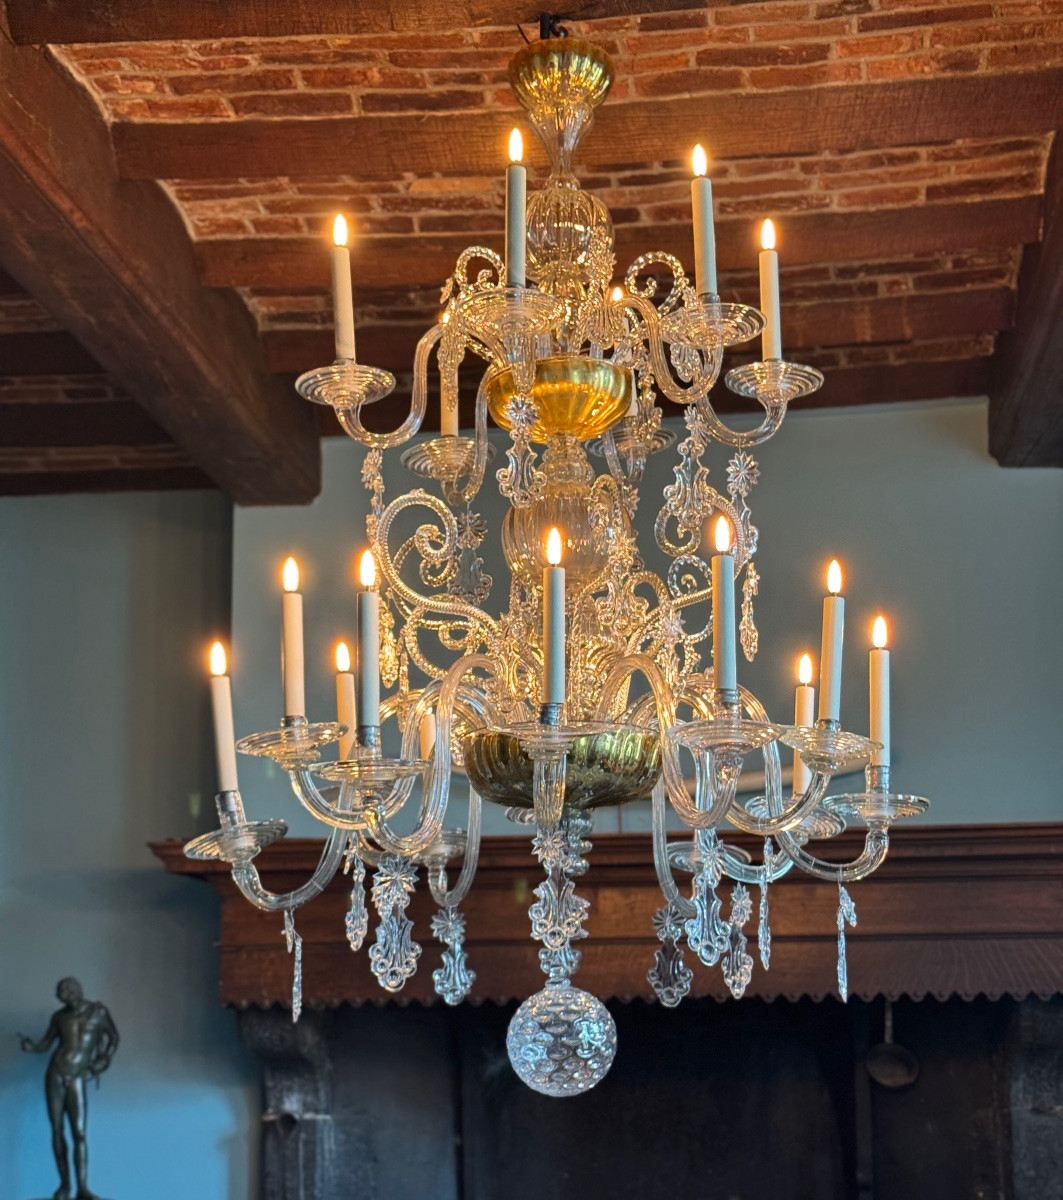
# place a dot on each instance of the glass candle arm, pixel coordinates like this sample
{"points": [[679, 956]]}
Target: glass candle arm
{"points": [[350, 418], [790, 817], [876, 844], [437, 880], [669, 888], [738, 869], [702, 382], [246, 878], [774, 412]]}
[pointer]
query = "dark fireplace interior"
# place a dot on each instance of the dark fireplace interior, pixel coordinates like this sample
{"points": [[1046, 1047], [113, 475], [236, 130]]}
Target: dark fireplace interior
{"points": [[721, 1101]]}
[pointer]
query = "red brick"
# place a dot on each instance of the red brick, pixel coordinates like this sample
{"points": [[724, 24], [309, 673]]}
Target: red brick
{"points": [[692, 82], [842, 8], [675, 20], [293, 104], [187, 108], [361, 77], [1010, 185], [799, 31], [208, 227], [462, 223], [877, 47], [125, 85], [764, 56], [277, 226], [1031, 54], [235, 83], [754, 14], [441, 60], [761, 205], [316, 206], [808, 76], [880, 197], [393, 102], [924, 16]]}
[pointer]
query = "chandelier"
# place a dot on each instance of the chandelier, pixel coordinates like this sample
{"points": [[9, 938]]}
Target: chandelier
{"points": [[593, 688]]}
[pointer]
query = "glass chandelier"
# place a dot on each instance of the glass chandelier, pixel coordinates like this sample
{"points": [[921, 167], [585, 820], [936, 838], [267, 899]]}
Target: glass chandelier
{"points": [[591, 689]]}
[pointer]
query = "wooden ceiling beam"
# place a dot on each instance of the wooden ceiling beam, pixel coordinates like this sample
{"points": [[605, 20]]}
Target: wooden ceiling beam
{"points": [[35, 22], [1026, 396], [49, 353], [871, 116], [909, 317], [422, 260], [111, 261], [64, 479], [84, 423]]}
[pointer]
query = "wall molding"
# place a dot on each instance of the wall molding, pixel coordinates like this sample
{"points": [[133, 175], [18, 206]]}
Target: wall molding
{"points": [[954, 911]]}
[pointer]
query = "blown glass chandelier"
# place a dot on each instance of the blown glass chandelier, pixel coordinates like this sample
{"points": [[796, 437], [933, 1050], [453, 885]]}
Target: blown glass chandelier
{"points": [[591, 687]]}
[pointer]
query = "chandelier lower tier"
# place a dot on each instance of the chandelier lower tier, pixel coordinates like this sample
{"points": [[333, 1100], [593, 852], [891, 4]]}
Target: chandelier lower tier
{"points": [[590, 689]]}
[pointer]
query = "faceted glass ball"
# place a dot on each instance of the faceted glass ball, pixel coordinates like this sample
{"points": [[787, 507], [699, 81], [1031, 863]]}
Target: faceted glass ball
{"points": [[562, 1041]]}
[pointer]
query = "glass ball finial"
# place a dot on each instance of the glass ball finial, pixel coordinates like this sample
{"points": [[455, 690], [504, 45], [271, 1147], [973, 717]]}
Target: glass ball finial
{"points": [[562, 1040]]}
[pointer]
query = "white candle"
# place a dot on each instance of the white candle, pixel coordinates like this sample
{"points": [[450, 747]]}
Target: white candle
{"points": [[771, 339], [516, 213], [221, 697], [342, 293], [724, 662], [880, 693], [553, 622], [367, 614], [345, 709], [830, 662], [704, 233], [804, 715], [292, 641], [427, 734]]}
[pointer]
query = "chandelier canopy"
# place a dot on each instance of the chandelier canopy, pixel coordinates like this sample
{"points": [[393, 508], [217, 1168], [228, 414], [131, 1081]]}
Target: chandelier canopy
{"points": [[591, 687]]}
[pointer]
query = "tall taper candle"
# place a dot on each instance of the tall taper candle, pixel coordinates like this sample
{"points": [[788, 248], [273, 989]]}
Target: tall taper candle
{"points": [[553, 622], [292, 641], [516, 213], [221, 697], [704, 232], [880, 693], [345, 708], [367, 615], [830, 660], [427, 735], [771, 339], [342, 293], [724, 663], [804, 714]]}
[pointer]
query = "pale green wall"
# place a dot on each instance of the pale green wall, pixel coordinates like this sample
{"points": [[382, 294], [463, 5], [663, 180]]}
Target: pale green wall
{"points": [[965, 557], [105, 603]]}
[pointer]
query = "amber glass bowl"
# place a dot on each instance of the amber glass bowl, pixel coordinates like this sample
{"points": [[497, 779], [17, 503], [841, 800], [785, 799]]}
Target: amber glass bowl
{"points": [[582, 397]]}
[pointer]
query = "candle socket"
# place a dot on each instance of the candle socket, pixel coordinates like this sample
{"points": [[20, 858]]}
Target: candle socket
{"points": [[368, 737], [230, 809], [877, 779], [727, 703], [828, 723], [550, 714], [294, 722]]}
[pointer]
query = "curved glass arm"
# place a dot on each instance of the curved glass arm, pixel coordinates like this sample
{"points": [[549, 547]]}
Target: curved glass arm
{"points": [[474, 707], [876, 844], [246, 878], [350, 417], [789, 818], [437, 878], [702, 384], [773, 419], [741, 871], [669, 888]]}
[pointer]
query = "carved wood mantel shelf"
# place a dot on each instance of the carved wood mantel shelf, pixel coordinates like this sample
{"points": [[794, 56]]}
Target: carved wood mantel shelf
{"points": [[954, 911]]}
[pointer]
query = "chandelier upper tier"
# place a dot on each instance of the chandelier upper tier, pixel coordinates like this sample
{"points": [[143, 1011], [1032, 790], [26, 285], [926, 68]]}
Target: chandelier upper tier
{"points": [[591, 687]]}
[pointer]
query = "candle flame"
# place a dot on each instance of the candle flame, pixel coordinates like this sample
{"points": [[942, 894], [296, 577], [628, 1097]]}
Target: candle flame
{"points": [[834, 577], [804, 669], [699, 160], [367, 569], [218, 663], [879, 633], [516, 146], [290, 575], [616, 295], [343, 657], [553, 547], [721, 535], [339, 230], [767, 235]]}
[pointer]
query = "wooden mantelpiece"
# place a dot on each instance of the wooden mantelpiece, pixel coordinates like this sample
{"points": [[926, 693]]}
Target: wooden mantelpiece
{"points": [[960, 910]]}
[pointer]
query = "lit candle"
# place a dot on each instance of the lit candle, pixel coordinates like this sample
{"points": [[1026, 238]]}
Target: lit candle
{"points": [[367, 616], [553, 622], [516, 212], [704, 234], [724, 664], [880, 693], [221, 696], [345, 710], [830, 660], [342, 295], [771, 339], [292, 641], [427, 734], [804, 715]]}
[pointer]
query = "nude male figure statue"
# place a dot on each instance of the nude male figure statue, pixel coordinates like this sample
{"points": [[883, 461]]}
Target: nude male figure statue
{"points": [[87, 1040]]}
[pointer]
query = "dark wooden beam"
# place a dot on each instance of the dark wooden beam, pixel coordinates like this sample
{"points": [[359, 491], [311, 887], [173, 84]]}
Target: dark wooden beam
{"points": [[734, 124], [9, 286], [1026, 396], [62, 482], [85, 423], [911, 317], [112, 262], [67, 21], [53, 353], [805, 238]]}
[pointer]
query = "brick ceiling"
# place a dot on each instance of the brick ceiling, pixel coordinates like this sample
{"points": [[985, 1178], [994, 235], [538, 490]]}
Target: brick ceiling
{"points": [[901, 239]]}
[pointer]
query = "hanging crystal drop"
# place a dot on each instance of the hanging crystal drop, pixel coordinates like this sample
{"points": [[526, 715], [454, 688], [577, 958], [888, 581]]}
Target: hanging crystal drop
{"points": [[356, 922], [670, 977], [393, 957], [737, 964], [846, 913], [707, 933], [763, 923], [453, 980], [294, 942]]}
